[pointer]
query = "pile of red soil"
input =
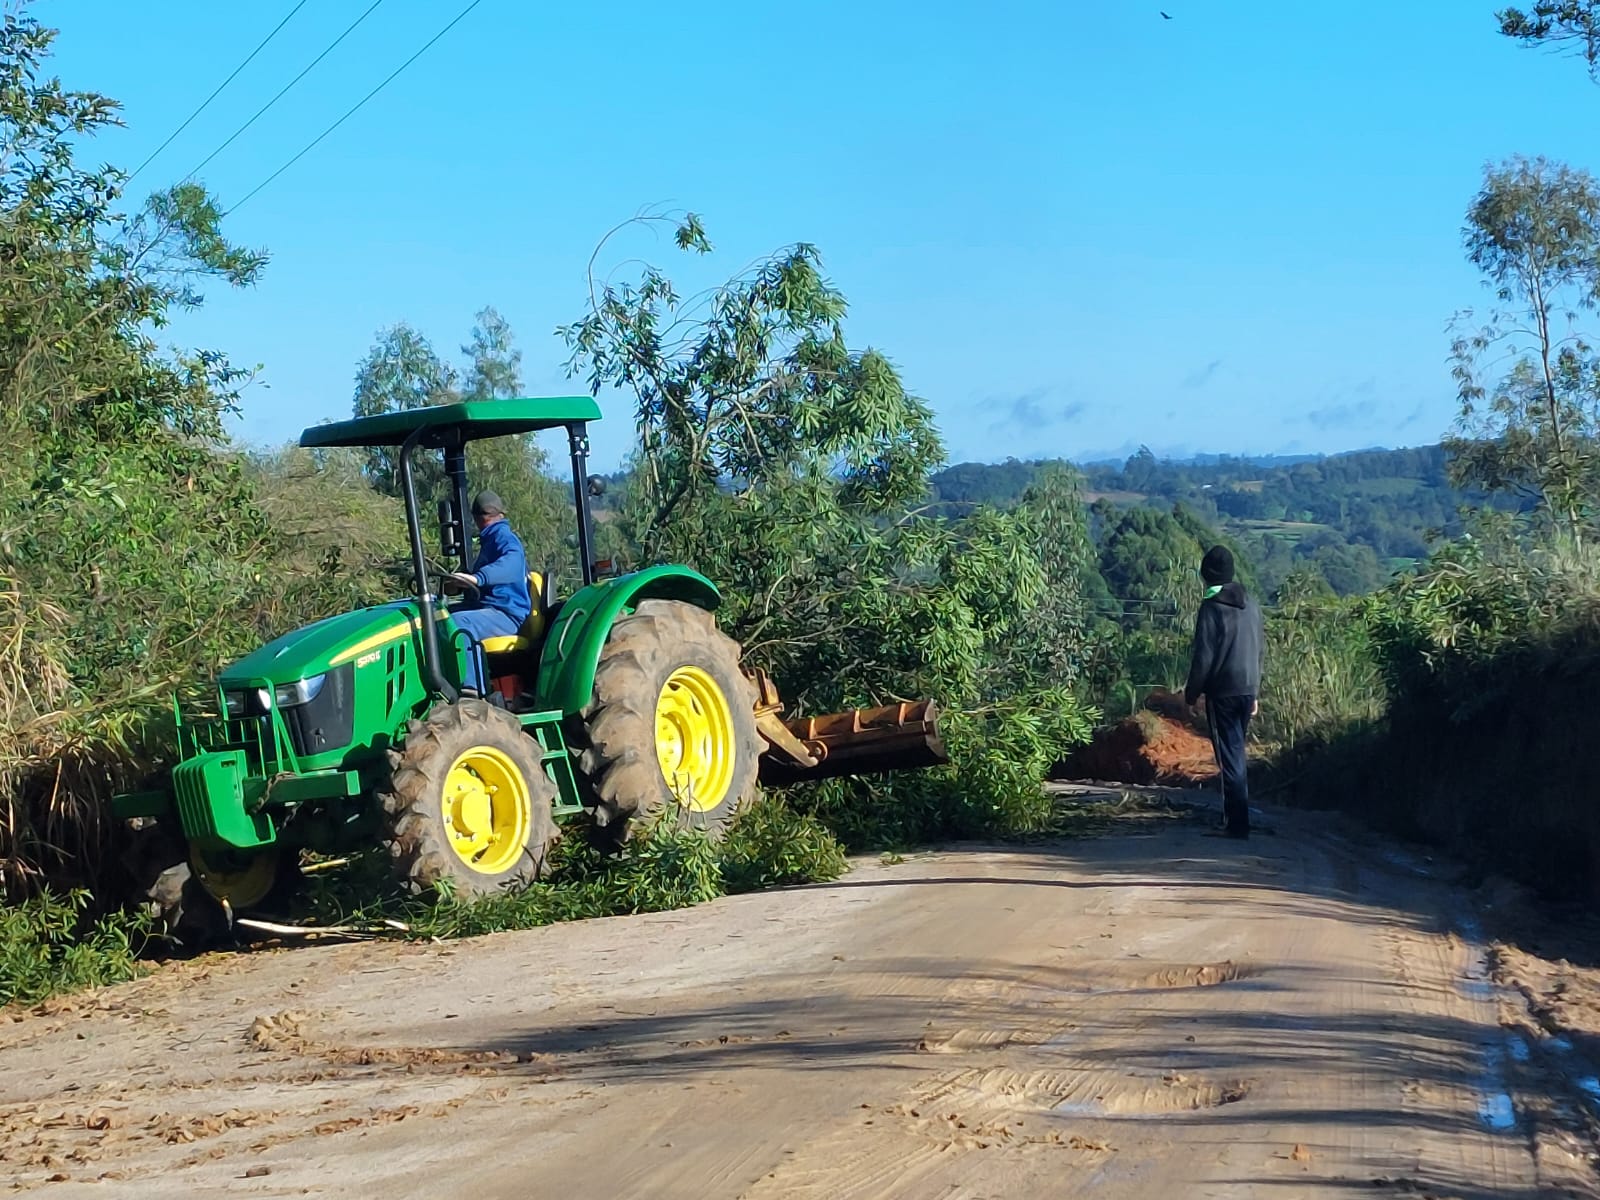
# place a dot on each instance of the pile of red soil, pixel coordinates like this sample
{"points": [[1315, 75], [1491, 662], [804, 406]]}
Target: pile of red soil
{"points": [[1164, 743]]}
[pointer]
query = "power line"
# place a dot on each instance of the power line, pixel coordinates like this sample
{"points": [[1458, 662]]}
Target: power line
{"points": [[204, 104], [349, 29], [359, 104]]}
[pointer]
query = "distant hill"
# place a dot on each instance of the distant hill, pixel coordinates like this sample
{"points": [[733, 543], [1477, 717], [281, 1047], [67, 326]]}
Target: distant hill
{"points": [[1204, 460], [1356, 517]]}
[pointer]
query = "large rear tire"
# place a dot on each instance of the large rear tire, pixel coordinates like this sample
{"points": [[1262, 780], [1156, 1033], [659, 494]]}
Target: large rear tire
{"points": [[671, 725], [468, 804]]}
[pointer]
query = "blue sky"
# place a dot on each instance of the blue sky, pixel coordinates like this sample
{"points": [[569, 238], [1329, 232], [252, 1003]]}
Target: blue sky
{"points": [[1075, 227]]}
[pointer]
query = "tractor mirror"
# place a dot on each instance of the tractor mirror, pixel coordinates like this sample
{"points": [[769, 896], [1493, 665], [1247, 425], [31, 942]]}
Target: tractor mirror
{"points": [[597, 486], [449, 531]]}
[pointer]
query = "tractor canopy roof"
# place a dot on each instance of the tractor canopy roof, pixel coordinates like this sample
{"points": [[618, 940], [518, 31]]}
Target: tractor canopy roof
{"points": [[443, 423]]}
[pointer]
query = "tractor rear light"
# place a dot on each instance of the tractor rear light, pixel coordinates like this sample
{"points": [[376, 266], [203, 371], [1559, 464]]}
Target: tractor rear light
{"points": [[302, 691]]}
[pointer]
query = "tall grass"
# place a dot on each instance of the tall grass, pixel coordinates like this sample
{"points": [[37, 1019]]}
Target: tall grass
{"points": [[61, 755], [1321, 675]]}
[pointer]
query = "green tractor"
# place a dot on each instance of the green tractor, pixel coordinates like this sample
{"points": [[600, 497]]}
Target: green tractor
{"points": [[624, 699]]}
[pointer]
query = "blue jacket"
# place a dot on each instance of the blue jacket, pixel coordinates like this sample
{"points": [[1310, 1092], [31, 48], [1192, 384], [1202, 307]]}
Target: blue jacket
{"points": [[502, 571]]}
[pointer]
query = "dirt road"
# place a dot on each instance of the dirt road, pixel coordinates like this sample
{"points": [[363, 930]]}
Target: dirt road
{"points": [[1148, 1014]]}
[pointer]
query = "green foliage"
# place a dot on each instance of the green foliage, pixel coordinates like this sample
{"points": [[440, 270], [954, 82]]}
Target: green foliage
{"points": [[1572, 25], [49, 944], [1487, 655], [771, 845], [1150, 560], [1346, 570], [752, 390], [1323, 675], [319, 501], [1534, 232], [1475, 601], [1054, 645], [788, 468], [119, 501], [401, 372], [998, 756]]}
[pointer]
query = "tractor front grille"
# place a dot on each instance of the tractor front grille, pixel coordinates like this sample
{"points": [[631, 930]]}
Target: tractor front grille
{"points": [[248, 735]]}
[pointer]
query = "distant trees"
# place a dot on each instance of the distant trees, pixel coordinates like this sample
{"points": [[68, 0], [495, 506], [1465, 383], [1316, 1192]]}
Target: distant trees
{"points": [[1139, 472], [1348, 570], [403, 371], [1149, 561], [967, 484]]}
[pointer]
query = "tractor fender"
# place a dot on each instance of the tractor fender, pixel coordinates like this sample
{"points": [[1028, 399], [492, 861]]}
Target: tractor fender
{"points": [[572, 647]]}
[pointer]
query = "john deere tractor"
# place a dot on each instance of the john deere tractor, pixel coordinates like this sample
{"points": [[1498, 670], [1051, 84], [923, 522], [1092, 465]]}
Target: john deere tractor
{"points": [[624, 699]]}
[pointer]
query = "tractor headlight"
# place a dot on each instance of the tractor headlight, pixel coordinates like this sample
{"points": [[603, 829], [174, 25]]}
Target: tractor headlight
{"points": [[300, 692], [234, 702]]}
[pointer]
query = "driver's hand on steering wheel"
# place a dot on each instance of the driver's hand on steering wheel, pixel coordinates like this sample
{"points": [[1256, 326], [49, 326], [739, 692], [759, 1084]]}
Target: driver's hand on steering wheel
{"points": [[464, 579]]}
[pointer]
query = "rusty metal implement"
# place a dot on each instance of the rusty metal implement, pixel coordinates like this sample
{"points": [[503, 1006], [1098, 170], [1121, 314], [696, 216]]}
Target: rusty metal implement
{"points": [[859, 741]]}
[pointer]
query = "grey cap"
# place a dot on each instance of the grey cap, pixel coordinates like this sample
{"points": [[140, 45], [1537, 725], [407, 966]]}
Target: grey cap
{"points": [[488, 504]]}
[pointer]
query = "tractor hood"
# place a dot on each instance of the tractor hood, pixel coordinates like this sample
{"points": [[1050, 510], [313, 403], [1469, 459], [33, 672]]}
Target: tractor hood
{"points": [[314, 649]]}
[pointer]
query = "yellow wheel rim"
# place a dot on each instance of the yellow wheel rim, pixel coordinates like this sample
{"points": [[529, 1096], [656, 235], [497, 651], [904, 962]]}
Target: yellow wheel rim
{"points": [[487, 810], [241, 878], [694, 739]]}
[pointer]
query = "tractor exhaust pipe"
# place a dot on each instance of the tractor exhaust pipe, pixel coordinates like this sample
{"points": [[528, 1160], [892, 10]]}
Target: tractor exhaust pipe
{"points": [[860, 741], [432, 673]]}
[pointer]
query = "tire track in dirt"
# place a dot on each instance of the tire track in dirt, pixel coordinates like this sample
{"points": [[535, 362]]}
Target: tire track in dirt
{"points": [[1141, 1015], [1006, 1111]]}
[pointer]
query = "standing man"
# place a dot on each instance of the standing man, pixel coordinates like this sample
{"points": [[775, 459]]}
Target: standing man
{"points": [[1225, 668], [499, 578]]}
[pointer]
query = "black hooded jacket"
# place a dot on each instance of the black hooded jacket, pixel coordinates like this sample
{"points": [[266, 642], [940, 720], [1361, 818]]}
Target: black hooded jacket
{"points": [[1228, 647]]}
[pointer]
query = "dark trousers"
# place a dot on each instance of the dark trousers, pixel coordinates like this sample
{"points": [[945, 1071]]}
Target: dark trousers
{"points": [[1229, 718]]}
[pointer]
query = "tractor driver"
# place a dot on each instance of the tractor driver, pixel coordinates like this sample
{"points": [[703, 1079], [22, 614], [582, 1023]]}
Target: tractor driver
{"points": [[499, 601]]}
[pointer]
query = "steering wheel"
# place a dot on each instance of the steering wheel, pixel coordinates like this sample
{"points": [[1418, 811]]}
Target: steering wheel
{"points": [[448, 585]]}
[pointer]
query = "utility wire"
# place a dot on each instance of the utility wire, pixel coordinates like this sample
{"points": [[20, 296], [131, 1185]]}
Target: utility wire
{"points": [[204, 104], [349, 29], [359, 104]]}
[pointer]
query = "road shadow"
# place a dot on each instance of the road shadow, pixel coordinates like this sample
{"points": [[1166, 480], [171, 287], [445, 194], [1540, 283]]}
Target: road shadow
{"points": [[836, 1026]]}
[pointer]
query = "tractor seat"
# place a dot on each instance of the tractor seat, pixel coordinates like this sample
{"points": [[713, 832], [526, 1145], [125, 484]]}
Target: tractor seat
{"points": [[542, 590]]}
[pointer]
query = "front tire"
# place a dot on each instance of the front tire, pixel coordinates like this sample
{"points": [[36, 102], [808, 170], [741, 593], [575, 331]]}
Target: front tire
{"points": [[671, 724], [244, 880], [468, 804]]}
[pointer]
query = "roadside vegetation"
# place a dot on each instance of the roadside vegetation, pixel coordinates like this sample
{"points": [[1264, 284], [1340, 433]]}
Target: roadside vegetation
{"points": [[1486, 651]]}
